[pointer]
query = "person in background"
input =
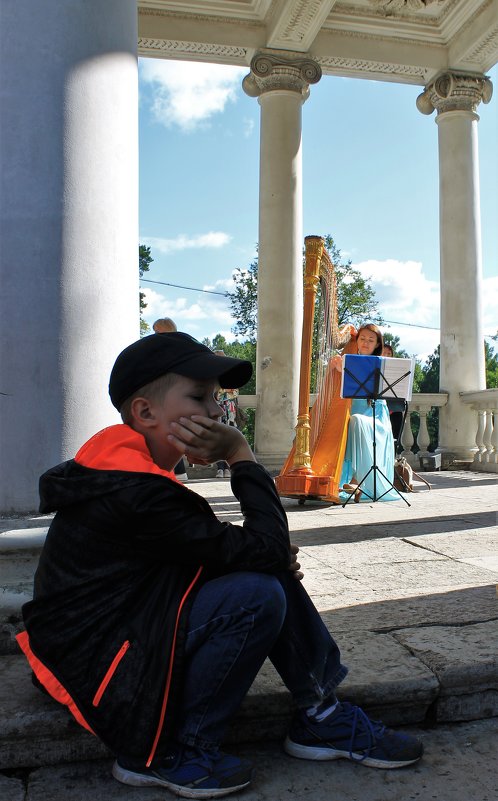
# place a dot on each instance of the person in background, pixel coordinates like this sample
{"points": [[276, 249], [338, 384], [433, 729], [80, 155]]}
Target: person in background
{"points": [[227, 399], [165, 325], [397, 406]]}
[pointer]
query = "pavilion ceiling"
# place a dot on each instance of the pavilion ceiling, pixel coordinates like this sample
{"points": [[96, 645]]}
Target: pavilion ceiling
{"points": [[409, 41]]}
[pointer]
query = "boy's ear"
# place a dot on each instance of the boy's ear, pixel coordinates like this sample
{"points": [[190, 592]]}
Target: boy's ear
{"points": [[142, 412]]}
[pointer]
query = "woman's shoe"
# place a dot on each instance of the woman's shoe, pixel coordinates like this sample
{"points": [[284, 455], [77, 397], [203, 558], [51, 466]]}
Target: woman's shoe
{"points": [[353, 489]]}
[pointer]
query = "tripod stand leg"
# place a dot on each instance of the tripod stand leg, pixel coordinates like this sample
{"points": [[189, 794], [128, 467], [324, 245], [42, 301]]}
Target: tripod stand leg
{"points": [[391, 486], [358, 489]]}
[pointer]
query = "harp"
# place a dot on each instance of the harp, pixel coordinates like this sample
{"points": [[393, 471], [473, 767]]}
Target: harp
{"points": [[313, 467]]}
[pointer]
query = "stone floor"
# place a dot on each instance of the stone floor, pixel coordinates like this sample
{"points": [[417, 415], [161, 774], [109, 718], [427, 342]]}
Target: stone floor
{"points": [[409, 592], [460, 764]]}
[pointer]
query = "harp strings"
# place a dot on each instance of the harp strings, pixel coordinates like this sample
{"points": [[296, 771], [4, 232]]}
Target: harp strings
{"points": [[324, 331]]}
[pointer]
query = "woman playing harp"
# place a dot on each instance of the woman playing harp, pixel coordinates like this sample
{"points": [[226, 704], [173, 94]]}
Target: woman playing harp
{"points": [[315, 465], [359, 457]]}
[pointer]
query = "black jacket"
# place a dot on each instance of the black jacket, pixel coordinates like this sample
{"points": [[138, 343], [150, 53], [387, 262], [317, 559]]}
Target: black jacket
{"points": [[123, 558]]}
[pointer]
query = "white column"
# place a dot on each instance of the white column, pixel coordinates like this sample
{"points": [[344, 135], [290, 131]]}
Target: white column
{"points": [[456, 97], [281, 82], [69, 228]]}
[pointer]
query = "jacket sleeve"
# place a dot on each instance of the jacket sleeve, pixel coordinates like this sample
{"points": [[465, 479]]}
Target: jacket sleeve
{"points": [[180, 526]]}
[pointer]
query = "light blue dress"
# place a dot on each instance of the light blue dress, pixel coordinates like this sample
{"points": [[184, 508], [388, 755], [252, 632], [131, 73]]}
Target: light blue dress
{"points": [[358, 458]]}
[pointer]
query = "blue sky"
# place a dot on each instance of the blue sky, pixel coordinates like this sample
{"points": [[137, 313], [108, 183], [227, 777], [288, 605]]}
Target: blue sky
{"points": [[370, 178]]}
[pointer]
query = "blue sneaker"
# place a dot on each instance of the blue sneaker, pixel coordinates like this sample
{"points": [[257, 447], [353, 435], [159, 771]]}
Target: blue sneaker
{"points": [[348, 733], [189, 773]]}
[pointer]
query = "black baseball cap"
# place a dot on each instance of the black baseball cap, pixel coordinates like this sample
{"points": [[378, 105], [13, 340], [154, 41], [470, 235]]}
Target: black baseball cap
{"points": [[153, 356]]}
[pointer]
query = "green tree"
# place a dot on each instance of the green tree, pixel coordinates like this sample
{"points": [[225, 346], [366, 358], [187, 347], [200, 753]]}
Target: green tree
{"points": [[356, 301], [144, 262], [418, 376], [394, 342], [240, 350], [401, 353], [430, 382], [427, 380], [430, 370], [491, 366], [244, 301]]}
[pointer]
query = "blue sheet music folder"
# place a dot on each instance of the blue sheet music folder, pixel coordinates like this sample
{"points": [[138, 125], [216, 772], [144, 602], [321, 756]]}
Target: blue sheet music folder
{"points": [[360, 376]]}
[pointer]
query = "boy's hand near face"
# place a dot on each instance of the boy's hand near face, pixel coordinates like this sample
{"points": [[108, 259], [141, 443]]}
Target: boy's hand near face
{"points": [[295, 566], [204, 440]]}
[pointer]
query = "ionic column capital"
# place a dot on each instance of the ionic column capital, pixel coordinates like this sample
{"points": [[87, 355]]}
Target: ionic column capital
{"points": [[281, 70], [455, 91]]}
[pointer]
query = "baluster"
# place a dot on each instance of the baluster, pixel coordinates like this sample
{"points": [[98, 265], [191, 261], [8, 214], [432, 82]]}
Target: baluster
{"points": [[493, 457], [487, 436], [407, 440], [423, 438], [481, 425]]}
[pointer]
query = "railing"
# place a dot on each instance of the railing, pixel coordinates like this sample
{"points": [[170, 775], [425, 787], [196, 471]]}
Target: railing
{"points": [[422, 403], [248, 401], [485, 404]]}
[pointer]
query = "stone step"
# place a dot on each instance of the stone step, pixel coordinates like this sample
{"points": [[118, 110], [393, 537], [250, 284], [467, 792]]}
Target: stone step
{"points": [[407, 676], [36, 731], [21, 542]]}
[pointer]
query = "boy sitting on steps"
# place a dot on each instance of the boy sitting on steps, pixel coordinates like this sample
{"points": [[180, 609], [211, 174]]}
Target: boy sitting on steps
{"points": [[151, 618]]}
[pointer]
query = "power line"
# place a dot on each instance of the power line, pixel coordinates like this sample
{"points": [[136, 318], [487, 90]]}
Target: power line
{"points": [[179, 286], [412, 325], [429, 327], [225, 295]]}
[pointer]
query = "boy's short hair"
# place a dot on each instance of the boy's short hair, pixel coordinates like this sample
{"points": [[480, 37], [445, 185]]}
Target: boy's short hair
{"points": [[165, 325], [142, 362], [154, 392]]}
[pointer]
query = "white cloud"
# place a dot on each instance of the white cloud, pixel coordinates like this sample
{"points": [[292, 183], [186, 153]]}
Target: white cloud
{"points": [[187, 93], [222, 285], [407, 296], [204, 315], [248, 127], [213, 239]]}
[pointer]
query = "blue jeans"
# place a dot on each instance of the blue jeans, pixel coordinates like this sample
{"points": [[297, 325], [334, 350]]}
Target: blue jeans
{"points": [[236, 621]]}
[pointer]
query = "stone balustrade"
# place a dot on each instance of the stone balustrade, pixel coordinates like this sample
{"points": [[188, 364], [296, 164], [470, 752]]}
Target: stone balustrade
{"points": [[422, 403], [485, 404]]}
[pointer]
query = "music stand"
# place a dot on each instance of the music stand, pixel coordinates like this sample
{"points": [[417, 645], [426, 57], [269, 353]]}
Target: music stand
{"points": [[374, 378]]}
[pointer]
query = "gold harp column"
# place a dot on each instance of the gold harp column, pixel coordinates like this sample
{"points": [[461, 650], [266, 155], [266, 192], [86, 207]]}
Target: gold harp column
{"points": [[280, 80], [314, 250]]}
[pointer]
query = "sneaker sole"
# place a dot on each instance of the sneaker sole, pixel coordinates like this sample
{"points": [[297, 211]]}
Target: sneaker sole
{"points": [[139, 780], [317, 754]]}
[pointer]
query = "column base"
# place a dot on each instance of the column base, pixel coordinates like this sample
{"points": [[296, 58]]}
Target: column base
{"points": [[456, 457], [272, 461]]}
